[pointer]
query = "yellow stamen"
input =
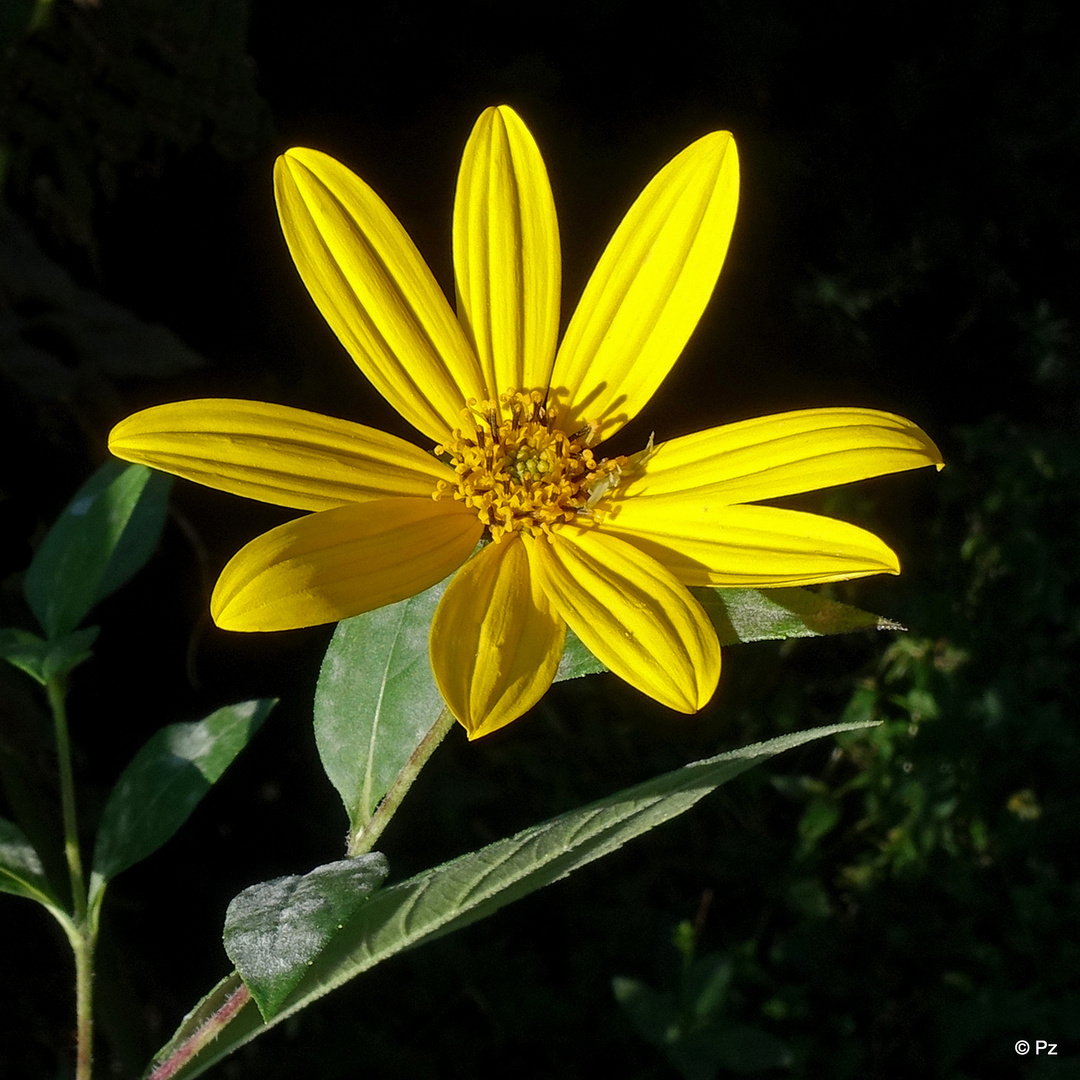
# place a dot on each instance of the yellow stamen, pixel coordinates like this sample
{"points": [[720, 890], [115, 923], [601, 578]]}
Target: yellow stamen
{"points": [[517, 469]]}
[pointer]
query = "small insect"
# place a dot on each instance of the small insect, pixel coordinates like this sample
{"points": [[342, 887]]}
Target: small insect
{"points": [[601, 486], [636, 462], [604, 485]]}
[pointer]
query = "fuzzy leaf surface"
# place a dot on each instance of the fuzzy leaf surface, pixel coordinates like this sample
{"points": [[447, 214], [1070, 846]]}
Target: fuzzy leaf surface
{"points": [[376, 699], [274, 930], [741, 615], [772, 614], [469, 888]]}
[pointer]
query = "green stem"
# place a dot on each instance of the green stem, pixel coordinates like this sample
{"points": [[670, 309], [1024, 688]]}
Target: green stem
{"points": [[84, 1005], [55, 689], [84, 938], [363, 839]]}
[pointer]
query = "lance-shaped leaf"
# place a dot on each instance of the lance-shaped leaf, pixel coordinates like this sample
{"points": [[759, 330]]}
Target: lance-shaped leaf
{"points": [[105, 534], [164, 782], [274, 930], [469, 888], [772, 614], [45, 660], [741, 615], [376, 699], [21, 872]]}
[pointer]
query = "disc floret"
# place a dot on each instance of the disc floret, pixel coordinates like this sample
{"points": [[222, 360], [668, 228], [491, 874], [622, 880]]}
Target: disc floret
{"points": [[518, 469]]}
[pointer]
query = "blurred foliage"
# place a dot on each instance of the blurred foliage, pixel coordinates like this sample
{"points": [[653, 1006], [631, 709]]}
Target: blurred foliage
{"points": [[96, 100], [104, 88], [60, 341], [691, 1024], [923, 918], [922, 921]]}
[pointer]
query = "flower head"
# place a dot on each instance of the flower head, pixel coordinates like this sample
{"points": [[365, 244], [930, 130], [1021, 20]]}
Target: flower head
{"points": [[607, 546]]}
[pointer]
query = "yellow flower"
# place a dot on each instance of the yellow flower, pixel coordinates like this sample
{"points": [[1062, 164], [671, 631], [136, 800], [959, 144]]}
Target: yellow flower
{"points": [[606, 546]]}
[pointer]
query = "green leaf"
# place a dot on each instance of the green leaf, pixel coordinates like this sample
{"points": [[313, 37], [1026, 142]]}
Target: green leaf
{"points": [[821, 816], [653, 1013], [44, 660], [697, 1039], [727, 1046], [376, 699], [164, 782], [705, 985], [750, 615], [105, 534], [577, 660], [21, 872], [476, 885], [771, 614], [274, 930]]}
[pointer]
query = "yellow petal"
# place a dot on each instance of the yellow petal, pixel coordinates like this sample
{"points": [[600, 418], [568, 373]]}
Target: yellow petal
{"points": [[339, 563], [495, 641], [649, 288], [704, 542], [275, 454], [506, 254], [785, 454], [632, 614], [375, 291]]}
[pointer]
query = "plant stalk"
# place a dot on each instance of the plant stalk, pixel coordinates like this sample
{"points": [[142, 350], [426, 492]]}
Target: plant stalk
{"points": [[84, 938], [55, 690], [363, 839]]}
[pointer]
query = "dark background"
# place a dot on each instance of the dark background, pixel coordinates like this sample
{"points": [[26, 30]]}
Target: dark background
{"points": [[907, 239]]}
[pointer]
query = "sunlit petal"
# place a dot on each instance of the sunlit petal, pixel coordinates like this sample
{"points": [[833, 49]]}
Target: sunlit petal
{"points": [[506, 254], [338, 563], [633, 615], [495, 641], [784, 454], [375, 291], [607, 547], [275, 453], [704, 542], [649, 288]]}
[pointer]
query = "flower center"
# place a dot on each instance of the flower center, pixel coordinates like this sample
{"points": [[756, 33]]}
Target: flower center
{"points": [[521, 472]]}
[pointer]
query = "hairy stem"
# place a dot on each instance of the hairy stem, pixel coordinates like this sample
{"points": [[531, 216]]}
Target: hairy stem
{"points": [[363, 840], [205, 1034]]}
